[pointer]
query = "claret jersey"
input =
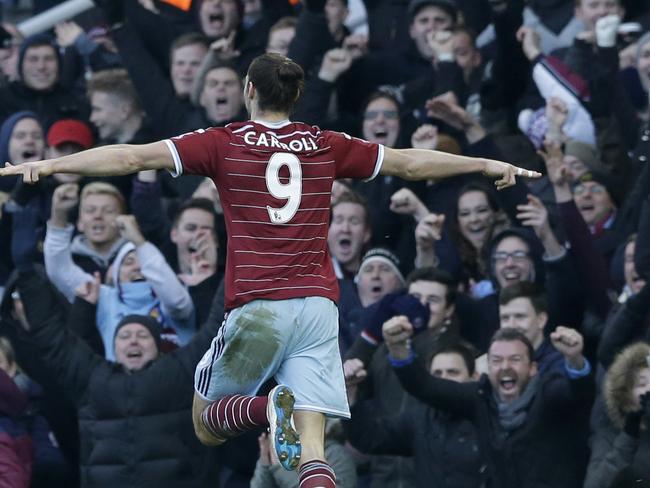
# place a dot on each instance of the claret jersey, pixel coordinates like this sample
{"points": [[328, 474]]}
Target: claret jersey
{"points": [[275, 181]]}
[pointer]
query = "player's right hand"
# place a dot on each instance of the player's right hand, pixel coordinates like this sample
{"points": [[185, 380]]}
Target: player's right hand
{"points": [[31, 172]]}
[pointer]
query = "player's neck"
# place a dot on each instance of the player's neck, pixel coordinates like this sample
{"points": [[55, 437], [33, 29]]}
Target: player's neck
{"points": [[268, 116]]}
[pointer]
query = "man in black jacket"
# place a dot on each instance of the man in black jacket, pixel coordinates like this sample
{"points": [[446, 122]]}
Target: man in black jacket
{"points": [[532, 430], [444, 448], [134, 415]]}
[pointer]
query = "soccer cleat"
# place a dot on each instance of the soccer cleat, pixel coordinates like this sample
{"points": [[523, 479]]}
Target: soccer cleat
{"points": [[285, 439]]}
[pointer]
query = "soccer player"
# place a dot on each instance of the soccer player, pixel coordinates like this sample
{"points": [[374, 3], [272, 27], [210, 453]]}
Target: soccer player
{"points": [[274, 177]]}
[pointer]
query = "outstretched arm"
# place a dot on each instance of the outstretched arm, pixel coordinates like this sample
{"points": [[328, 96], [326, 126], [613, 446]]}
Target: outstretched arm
{"points": [[118, 159], [423, 164]]}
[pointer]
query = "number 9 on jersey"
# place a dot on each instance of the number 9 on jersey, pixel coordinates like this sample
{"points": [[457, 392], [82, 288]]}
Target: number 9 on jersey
{"points": [[291, 191]]}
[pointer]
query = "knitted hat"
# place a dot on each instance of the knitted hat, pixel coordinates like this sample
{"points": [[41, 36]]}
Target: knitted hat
{"points": [[385, 256], [149, 322], [586, 153], [448, 6]]}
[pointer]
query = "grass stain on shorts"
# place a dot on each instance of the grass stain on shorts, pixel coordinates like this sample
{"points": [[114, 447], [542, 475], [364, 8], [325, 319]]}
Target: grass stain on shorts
{"points": [[253, 347]]}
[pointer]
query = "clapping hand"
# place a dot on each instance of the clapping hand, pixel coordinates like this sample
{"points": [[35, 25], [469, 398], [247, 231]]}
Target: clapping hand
{"points": [[89, 291], [570, 344]]}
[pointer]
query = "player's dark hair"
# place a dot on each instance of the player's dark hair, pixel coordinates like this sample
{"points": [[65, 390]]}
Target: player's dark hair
{"points": [[437, 276], [525, 289], [278, 82], [509, 334]]}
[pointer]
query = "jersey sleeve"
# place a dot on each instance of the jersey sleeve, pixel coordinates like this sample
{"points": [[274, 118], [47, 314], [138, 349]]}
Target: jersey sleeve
{"points": [[198, 152], [355, 158]]}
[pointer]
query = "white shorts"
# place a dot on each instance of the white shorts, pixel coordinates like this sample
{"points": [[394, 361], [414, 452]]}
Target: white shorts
{"points": [[295, 341]]}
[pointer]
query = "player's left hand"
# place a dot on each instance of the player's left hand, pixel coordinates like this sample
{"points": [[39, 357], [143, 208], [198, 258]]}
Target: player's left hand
{"points": [[506, 173]]}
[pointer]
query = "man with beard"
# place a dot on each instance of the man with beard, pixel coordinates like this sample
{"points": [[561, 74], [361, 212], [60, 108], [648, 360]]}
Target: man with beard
{"points": [[532, 430]]}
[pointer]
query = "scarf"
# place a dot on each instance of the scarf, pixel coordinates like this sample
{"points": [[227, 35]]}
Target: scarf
{"points": [[513, 415]]}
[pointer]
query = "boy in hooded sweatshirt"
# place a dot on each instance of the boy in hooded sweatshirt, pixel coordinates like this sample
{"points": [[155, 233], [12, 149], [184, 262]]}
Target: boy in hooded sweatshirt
{"points": [[139, 281]]}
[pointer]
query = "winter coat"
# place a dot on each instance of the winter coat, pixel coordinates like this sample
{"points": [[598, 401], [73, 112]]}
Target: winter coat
{"points": [[135, 426], [444, 449], [548, 450], [16, 453]]}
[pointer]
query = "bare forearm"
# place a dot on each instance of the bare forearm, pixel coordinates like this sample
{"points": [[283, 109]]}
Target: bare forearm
{"points": [[435, 164], [422, 164], [101, 161]]}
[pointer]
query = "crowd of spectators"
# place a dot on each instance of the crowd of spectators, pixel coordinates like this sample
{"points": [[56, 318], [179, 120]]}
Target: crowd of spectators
{"points": [[490, 339]]}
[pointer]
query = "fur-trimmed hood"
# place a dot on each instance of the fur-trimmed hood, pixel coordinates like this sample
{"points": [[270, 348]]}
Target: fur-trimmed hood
{"points": [[619, 380]]}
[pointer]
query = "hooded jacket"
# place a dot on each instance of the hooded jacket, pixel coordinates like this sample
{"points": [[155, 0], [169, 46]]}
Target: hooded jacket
{"points": [[70, 264], [161, 295], [612, 448], [6, 130], [50, 105]]}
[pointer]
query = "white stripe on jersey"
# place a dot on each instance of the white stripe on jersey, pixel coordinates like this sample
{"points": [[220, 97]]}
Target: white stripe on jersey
{"points": [[286, 177], [271, 223], [246, 160], [298, 132], [280, 238], [249, 176], [264, 208], [279, 266], [241, 129], [267, 193], [263, 279], [319, 150], [280, 253], [262, 290]]}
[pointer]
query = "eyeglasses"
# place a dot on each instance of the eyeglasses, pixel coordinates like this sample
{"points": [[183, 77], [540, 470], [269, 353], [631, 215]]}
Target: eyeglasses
{"points": [[373, 114], [594, 189], [517, 256]]}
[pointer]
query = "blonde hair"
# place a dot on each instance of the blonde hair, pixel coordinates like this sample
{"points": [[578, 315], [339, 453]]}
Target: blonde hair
{"points": [[114, 82], [620, 378], [102, 188]]}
